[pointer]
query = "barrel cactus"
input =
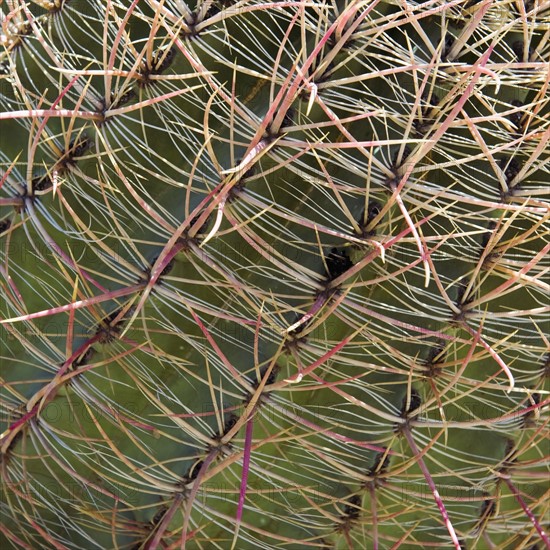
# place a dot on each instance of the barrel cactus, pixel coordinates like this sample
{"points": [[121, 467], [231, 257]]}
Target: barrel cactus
{"points": [[275, 274]]}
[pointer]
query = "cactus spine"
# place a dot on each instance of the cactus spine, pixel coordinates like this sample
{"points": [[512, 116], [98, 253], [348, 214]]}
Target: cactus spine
{"points": [[275, 274]]}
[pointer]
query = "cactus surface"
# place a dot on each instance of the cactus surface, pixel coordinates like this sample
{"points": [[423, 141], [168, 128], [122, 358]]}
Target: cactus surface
{"points": [[275, 274]]}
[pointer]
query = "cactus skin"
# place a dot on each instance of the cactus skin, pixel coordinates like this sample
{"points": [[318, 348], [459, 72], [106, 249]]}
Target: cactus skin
{"points": [[275, 275]]}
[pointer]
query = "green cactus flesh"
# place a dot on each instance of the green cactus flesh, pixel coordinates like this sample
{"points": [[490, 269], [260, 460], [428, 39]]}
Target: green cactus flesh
{"points": [[275, 274]]}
